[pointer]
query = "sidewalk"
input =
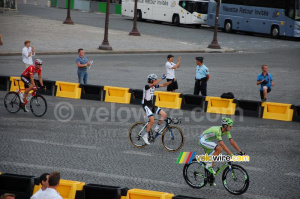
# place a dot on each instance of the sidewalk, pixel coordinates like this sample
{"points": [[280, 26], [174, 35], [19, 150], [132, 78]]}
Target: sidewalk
{"points": [[54, 37]]}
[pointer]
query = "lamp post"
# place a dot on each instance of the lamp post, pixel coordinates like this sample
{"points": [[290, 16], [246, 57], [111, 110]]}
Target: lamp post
{"points": [[134, 31], [214, 44], [105, 44], [68, 19]]}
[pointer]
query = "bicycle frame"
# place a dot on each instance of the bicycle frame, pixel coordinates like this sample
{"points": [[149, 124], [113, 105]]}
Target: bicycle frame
{"points": [[160, 131], [226, 164]]}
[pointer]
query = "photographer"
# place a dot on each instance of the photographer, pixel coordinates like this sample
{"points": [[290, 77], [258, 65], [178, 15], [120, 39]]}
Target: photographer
{"points": [[265, 80]]}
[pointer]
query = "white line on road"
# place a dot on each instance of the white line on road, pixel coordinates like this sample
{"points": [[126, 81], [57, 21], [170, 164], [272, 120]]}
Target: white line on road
{"points": [[59, 144], [293, 174], [183, 42], [138, 153]]}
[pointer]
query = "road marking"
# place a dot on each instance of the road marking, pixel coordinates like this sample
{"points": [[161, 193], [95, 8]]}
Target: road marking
{"points": [[59, 144], [293, 174], [138, 153], [183, 42], [254, 41], [242, 41]]}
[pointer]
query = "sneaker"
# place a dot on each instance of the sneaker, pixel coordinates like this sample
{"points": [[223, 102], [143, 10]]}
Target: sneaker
{"points": [[145, 138], [211, 170]]}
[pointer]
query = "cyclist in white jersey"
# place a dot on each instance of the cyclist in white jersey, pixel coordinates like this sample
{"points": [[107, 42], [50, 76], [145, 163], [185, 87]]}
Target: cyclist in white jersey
{"points": [[148, 105]]}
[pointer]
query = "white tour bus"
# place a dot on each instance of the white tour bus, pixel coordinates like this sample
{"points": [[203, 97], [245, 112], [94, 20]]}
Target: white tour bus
{"points": [[173, 11]]}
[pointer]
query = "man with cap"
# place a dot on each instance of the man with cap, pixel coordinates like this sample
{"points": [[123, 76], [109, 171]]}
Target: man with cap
{"points": [[202, 76], [170, 67]]}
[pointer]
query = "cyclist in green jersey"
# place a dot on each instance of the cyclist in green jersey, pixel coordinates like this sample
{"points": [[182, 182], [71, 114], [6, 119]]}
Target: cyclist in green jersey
{"points": [[216, 132]]}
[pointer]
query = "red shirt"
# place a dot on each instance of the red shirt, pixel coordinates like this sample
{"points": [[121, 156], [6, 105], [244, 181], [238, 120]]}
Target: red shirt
{"points": [[30, 70]]}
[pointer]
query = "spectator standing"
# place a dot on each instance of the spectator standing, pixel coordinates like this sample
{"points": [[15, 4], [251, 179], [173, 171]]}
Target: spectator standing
{"points": [[50, 192], [82, 63], [170, 67], [8, 196], [202, 76], [265, 80], [27, 54], [44, 181]]}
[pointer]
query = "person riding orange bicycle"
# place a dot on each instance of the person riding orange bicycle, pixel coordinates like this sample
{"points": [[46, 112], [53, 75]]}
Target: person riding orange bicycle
{"points": [[27, 78]]}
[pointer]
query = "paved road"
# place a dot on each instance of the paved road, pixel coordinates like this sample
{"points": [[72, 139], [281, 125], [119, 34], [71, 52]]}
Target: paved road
{"points": [[188, 35], [234, 72], [93, 147]]}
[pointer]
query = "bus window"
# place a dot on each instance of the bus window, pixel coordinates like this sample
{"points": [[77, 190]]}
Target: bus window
{"points": [[201, 7], [187, 5], [297, 16]]}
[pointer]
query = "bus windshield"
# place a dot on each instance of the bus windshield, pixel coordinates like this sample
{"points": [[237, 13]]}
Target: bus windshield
{"points": [[192, 6]]}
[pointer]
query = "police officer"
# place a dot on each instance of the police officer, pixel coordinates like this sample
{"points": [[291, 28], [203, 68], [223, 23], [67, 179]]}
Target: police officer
{"points": [[202, 76]]}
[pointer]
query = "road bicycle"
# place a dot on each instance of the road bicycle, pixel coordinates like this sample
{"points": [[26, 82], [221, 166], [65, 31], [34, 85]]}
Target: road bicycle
{"points": [[13, 103], [172, 137], [234, 178]]}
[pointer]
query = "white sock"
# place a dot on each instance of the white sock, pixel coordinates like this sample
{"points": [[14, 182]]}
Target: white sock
{"points": [[146, 135]]}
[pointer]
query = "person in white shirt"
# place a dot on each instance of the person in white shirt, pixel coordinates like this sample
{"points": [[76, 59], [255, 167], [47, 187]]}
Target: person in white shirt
{"points": [[44, 181], [170, 67], [27, 54], [50, 192]]}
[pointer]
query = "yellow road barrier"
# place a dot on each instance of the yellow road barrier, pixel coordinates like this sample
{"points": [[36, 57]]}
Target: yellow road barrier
{"points": [[117, 94], [145, 194], [220, 105], [277, 111], [68, 90], [168, 99]]}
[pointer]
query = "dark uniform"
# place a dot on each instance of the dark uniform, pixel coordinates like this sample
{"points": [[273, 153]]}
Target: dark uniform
{"points": [[201, 78]]}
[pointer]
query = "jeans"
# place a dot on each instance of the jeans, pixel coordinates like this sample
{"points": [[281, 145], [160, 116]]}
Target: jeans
{"points": [[82, 77]]}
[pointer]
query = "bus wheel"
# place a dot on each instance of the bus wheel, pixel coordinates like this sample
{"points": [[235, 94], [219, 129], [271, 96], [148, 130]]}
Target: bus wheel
{"points": [[139, 15], [176, 20], [275, 31], [228, 26]]}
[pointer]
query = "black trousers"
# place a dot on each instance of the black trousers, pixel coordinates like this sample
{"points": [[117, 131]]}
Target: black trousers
{"points": [[200, 86]]}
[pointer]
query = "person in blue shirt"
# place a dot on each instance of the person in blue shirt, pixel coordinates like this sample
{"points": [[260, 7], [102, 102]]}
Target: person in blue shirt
{"points": [[82, 64], [265, 80], [202, 76]]}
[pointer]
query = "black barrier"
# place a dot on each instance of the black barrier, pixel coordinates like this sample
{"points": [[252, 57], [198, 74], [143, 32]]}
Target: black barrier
{"points": [[50, 87], [4, 83], [184, 197], [91, 92], [189, 102], [95, 191], [296, 115], [136, 96], [20, 185], [248, 108]]}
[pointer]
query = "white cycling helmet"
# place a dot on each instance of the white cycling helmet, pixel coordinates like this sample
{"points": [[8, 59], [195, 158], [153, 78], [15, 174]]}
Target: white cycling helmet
{"points": [[152, 77]]}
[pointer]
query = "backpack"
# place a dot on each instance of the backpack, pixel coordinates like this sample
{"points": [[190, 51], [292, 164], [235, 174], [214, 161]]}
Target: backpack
{"points": [[228, 95]]}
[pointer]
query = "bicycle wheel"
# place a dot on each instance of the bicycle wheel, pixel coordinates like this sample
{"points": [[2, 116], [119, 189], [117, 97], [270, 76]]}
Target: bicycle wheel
{"points": [[38, 105], [195, 174], [235, 180], [12, 102], [172, 138], [135, 134]]}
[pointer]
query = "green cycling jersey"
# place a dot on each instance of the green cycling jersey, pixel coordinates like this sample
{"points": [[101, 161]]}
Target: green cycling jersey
{"points": [[214, 132]]}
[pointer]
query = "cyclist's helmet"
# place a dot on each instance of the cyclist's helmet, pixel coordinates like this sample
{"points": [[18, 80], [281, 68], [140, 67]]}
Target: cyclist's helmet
{"points": [[227, 121], [152, 77], [38, 62]]}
